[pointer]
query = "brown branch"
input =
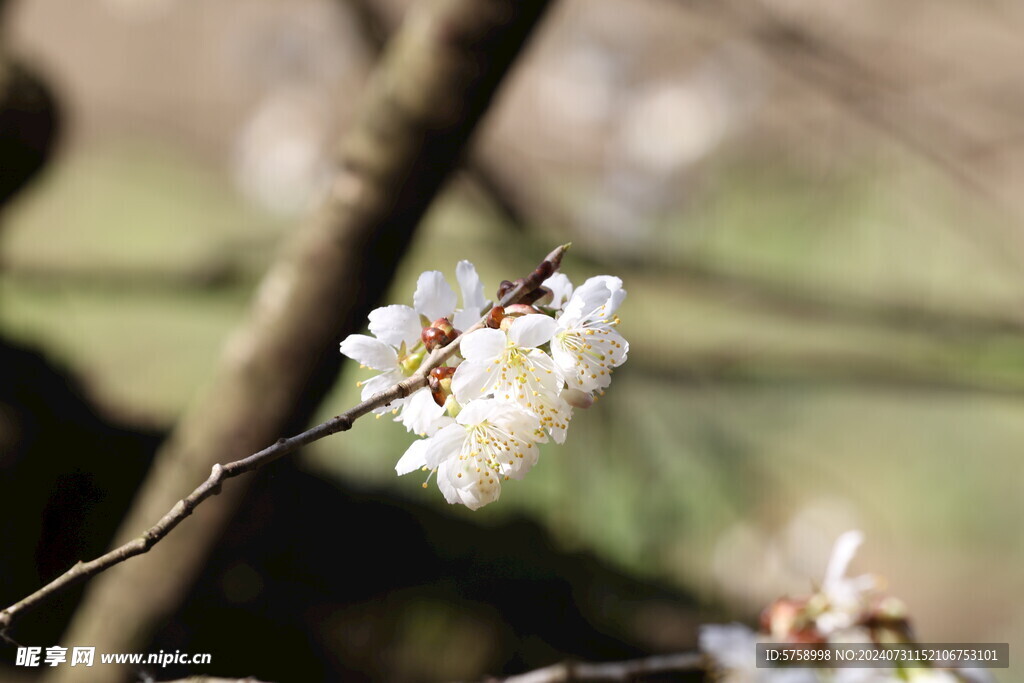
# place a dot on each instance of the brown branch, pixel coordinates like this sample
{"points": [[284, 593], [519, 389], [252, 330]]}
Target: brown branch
{"points": [[631, 670], [212, 486]]}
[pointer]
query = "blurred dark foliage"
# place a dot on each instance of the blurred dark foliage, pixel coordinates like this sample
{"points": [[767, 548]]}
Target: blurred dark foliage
{"points": [[29, 125]]}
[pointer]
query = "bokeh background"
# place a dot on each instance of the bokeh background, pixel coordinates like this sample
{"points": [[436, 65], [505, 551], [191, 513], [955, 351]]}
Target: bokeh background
{"points": [[815, 208]]}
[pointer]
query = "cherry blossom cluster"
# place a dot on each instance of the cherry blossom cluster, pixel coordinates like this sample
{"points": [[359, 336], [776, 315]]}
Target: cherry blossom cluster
{"points": [[844, 609], [511, 385]]}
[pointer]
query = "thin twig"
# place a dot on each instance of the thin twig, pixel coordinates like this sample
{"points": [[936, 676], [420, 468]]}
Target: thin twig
{"points": [[211, 487], [630, 670]]}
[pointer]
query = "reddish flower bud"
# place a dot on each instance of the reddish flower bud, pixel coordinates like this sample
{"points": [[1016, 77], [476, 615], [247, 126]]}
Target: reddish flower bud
{"points": [[577, 398], [432, 338], [519, 309], [786, 620], [445, 326], [442, 373], [504, 288], [494, 317], [440, 333], [439, 381]]}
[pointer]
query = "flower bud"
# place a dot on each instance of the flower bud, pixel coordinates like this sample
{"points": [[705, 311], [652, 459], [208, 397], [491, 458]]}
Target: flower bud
{"points": [[440, 333], [786, 620], [438, 396], [494, 317], [519, 309], [504, 288], [442, 372], [411, 363], [440, 383], [432, 338], [445, 326], [577, 398], [452, 407]]}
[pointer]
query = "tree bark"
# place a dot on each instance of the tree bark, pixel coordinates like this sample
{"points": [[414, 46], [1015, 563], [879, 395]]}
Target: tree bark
{"points": [[425, 98]]}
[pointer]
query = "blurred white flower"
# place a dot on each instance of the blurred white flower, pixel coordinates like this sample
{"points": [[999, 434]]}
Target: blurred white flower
{"points": [[846, 599], [280, 159], [733, 649]]}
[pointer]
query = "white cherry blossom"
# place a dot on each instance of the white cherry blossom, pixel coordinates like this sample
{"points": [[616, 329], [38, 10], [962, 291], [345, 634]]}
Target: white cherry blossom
{"points": [[733, 648], [396, 350], [561, 290], [586, 346], [489, 441], [504, 390], [510, 367], [845, 598], [375, 354]]}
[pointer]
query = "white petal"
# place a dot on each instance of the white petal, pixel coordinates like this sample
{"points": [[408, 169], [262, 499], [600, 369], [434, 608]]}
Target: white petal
{"points": [[473, 489], [617, 354], [483, 345], [396, 324], [370, 352], [580, 371], [618, 296], [842, 554], [422, 415], [476, 412], [517, 419], [561, 289], [445, 444], [531, 330], [482, 494], [471, 380], [561, 413], [434, 298], [610, 282], [465, 319], [733, 646], [448, 490], [414, 457], [590, 296], [379, 383], [472, 289]]}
